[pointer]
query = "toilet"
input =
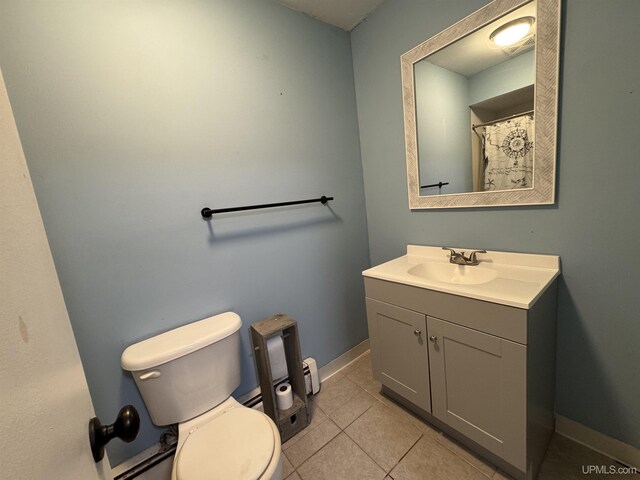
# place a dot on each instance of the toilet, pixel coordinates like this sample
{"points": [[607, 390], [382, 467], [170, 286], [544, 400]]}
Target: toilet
{"points": [[186, 376]]}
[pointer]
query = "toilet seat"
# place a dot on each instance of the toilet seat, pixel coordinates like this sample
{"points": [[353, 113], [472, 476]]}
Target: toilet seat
{"points": [[238, 444]]}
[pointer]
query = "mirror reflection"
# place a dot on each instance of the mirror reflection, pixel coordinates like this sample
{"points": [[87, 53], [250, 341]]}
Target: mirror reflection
{"points": [[474, 106]]}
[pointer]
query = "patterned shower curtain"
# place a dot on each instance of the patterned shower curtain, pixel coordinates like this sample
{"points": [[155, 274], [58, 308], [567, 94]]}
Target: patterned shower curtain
{"points": [[508, 154]]}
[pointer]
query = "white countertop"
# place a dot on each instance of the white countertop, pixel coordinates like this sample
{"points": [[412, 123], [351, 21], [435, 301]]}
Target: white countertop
{"points": [[520, 278]]}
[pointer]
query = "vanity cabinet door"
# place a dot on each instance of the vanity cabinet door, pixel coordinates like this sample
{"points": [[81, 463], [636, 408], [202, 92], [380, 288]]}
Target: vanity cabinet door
{"points": [[478, 387], [399, 351]]}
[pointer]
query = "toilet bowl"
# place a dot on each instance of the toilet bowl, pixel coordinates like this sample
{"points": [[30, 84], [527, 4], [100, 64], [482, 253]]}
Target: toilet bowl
{"points": [[186, 376], [231, 441]]}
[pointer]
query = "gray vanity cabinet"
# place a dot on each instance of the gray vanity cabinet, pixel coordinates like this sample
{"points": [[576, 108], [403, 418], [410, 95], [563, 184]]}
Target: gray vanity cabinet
{"points": [[481, 371], [479, 387], [399, 351]]}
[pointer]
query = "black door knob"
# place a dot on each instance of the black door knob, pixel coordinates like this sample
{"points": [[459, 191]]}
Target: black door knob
{"points": [[125, 427]]}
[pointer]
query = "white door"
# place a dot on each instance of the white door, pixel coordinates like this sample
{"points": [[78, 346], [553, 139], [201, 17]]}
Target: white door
{"points": [[45, 405]]}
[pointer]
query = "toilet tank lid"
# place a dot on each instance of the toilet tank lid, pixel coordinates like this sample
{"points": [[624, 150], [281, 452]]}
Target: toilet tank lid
{"points": [[179, 342]]}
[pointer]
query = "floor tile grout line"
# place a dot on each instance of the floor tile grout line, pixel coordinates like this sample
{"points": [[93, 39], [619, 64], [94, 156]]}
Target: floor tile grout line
{"points": [[342, 430], [436, 438], [459, 450], [397, 414], [393, 413], [372, 459], [386, 474], [295, 469], [352, 421], [407, 452], [322, 448], [495, 468], [326, 417], [355, 385]]}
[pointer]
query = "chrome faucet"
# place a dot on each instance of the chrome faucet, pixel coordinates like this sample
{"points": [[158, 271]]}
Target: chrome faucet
{"points": [[460, 259]]}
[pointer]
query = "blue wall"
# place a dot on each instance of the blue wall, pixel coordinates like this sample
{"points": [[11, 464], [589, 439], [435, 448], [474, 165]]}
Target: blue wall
{"points": [[443, 118], [594, 226], [135, 115], [442, 126], [504, 77]]}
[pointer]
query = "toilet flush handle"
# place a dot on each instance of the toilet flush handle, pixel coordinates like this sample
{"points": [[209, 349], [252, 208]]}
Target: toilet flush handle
{"points": [[151, 374]]}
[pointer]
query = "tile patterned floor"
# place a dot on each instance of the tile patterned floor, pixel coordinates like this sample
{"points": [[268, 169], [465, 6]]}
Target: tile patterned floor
{"points": [[358, 433]]}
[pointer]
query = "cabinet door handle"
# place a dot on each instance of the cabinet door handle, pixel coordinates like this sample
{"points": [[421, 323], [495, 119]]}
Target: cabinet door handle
{"points": [[433, 338], [417, 332]]}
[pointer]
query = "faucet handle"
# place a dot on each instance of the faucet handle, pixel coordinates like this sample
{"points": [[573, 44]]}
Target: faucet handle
{"points": [[453, 252], [472, 256]]}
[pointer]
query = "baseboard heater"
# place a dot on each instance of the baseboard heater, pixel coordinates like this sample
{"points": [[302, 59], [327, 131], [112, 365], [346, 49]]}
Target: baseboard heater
{"points": [[312, 383], [311, 380]]}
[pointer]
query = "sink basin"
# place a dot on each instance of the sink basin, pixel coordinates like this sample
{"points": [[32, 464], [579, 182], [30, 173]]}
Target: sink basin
{"points": [[507, 278], [454, 274]]}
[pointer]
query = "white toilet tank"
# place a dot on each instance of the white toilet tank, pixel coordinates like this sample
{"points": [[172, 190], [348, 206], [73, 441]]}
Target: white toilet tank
{"points": [[184, 372]]}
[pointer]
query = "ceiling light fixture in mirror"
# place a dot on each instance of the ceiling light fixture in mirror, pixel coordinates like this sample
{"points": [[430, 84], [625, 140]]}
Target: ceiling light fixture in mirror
{"points": [[480, 109]]}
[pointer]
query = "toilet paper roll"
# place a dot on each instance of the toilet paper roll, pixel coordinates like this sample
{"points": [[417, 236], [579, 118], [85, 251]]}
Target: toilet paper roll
{"points": [[284, 396], [277, 359]]}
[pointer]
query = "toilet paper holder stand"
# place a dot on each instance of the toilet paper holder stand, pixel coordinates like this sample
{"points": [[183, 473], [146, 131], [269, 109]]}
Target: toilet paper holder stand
{"points": [[296, 418]]}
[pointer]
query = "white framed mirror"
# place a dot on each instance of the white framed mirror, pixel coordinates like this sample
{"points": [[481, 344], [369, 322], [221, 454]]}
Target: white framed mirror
{"points": [[480, 111]]}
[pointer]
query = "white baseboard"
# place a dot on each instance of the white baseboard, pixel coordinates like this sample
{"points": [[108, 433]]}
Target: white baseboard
{"points": [[135, 460], [337, 364], [620, 451]]}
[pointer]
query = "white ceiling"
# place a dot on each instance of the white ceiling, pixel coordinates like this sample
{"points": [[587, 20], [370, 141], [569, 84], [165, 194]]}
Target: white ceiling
{"points": [[346, 14], [467, 56], [475, 53]]}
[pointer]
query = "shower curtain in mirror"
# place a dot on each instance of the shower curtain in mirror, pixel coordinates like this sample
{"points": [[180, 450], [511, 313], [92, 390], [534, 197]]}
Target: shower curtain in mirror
{"points": [[508, 154]]}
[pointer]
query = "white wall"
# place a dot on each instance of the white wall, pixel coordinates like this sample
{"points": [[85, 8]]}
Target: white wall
{"points": [[44, 398]]}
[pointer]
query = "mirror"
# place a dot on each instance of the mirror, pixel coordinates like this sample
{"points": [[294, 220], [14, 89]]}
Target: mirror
{"points": [[480, 111]]}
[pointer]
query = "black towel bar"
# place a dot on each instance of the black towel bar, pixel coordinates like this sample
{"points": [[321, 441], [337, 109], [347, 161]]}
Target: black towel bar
{"points": [[207, 212], [439, 185]]}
